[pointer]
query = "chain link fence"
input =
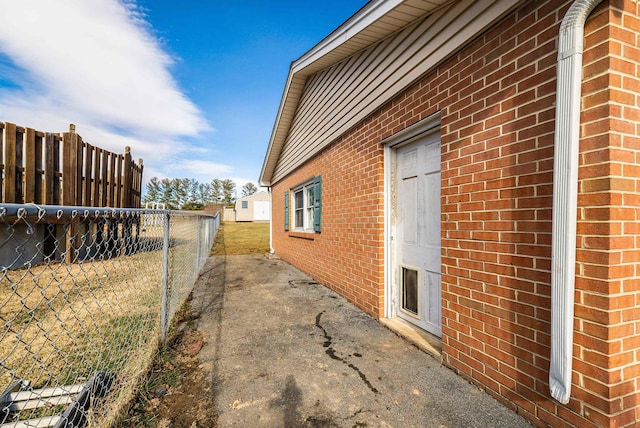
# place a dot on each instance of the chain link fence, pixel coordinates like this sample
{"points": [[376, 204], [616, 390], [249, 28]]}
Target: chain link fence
{"points": [[86, 295]]}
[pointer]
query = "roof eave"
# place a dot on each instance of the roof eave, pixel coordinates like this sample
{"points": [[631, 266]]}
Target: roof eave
{"points": [[311, 62]]}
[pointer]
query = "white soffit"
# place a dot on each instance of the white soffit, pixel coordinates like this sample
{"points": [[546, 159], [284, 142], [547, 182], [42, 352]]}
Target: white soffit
{"points": [[375, 21]]}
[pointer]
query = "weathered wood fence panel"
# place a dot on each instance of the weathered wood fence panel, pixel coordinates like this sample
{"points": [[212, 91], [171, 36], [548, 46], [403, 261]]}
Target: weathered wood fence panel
{"points": [[62, 169]]}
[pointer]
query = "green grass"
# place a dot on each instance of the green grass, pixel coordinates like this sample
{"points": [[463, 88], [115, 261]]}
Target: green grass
{"points": [[242, 238]]}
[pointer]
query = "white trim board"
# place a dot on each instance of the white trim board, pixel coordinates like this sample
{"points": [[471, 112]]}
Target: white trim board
{"points": [[408, 135]]}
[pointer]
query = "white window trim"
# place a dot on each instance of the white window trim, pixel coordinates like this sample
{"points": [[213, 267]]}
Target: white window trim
{"points": [[307, 207]]}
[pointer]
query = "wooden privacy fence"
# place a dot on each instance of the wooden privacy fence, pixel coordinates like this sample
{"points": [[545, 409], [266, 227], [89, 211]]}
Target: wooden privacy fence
{"points": [[62, 169]]}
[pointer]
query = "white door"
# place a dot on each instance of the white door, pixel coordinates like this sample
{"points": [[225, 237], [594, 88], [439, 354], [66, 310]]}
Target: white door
{"points": [[261, 210], [417, 262]]}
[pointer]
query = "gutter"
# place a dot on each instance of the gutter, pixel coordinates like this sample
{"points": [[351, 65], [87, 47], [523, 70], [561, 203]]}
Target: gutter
{"points": [[565, 195]]}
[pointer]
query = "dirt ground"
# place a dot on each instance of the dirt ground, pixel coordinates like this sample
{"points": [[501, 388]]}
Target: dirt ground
{"points": [[190, 403], [177, 392]]}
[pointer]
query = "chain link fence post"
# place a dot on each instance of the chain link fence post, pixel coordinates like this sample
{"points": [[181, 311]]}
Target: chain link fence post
{"points": [[198, 245], [164, 315]]}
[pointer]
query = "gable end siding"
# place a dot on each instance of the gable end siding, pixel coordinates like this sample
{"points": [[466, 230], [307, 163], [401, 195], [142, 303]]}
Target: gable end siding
{"points": [[362, 83]]}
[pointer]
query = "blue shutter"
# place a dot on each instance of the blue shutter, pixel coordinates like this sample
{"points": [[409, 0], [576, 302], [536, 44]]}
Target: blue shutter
{"points": [[286, 211], [317, 204]]}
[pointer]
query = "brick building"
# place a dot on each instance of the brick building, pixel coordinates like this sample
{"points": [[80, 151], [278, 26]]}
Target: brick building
{"points": [[467, 173]]}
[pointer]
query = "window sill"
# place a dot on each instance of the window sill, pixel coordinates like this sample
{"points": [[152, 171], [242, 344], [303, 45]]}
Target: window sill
{"points": [[310, 236]]}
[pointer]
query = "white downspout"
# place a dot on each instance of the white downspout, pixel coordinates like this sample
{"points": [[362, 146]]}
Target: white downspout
{"points": [[271, 250], [565, 195]]}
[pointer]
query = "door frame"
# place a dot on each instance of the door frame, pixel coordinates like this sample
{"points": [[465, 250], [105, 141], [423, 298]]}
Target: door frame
{"points": [[408, 135]]}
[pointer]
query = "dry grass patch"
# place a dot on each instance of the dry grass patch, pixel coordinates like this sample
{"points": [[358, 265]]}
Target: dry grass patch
{"points": [[65, 322]]}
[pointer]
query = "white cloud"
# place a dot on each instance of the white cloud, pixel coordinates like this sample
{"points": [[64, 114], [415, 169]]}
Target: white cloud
{"points": [[97, 64], [97, 60]]}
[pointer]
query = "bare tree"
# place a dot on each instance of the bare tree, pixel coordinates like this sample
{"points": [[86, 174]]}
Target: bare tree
{"points": [[249, 189]]}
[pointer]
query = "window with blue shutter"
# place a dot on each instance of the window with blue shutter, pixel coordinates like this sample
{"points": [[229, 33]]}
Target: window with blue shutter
{"points": [[306, 206]]}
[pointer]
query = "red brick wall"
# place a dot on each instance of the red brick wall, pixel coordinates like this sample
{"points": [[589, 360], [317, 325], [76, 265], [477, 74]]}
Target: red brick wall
{"points": [[496, 99], [607, 344], [348, 255]]}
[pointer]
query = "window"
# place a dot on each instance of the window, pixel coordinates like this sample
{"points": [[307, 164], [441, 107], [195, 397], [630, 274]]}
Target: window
{"points": [[303, 206], [307, 206], [245, 204]]}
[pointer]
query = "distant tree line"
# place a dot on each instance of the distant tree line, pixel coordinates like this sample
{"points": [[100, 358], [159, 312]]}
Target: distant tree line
{"points": [[189, 194]]}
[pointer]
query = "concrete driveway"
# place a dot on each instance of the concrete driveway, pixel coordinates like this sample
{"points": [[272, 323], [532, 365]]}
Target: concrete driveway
{"points": [[284, 351]]}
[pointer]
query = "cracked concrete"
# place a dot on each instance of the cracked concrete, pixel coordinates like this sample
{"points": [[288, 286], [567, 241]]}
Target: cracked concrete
{"points": [[285, 351]]}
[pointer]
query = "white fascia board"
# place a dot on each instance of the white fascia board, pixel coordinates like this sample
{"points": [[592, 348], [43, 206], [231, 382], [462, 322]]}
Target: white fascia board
{"points": [[265, 180], [362, 19]]}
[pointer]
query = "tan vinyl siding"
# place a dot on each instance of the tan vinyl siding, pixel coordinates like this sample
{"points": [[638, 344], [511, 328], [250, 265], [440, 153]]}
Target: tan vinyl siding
{"points": [[345, 41], [338, 97]]}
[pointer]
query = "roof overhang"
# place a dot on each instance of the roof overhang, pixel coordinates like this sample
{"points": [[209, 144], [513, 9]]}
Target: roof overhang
{"points": [[375, 21]]}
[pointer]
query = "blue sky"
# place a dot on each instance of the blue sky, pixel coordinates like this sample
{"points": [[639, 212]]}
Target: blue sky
{"points": [[193, 86]]}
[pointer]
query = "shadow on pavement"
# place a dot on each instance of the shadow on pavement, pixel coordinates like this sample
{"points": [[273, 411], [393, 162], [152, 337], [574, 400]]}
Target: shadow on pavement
{"points": [[285, 351]]}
